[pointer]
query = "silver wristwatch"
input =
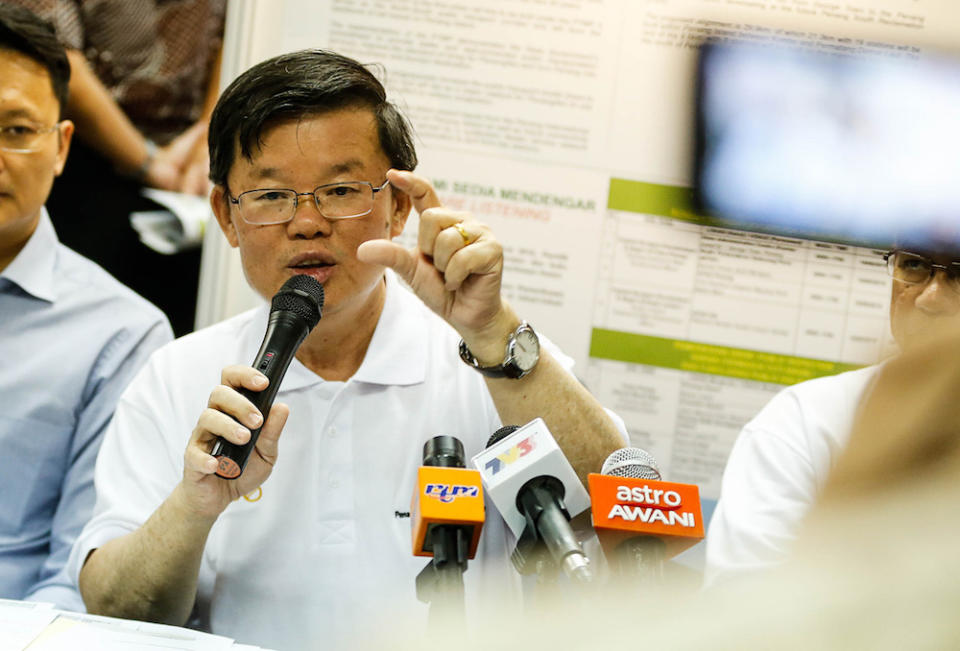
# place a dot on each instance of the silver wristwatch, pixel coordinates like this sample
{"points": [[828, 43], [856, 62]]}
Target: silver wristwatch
{"points": [[523, 353]]}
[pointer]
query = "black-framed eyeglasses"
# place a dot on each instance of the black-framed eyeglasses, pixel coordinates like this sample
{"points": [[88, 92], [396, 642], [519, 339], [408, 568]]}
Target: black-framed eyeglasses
{"points": [[24, 138], [334, 201], [916, 269]]}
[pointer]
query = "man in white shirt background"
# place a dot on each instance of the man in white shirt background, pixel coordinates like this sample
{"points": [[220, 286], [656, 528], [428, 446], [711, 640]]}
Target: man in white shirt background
{"points": [[315, 551], [782, 458]]}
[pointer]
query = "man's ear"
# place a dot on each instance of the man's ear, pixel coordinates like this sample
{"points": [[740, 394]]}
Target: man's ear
{"points": [[66, 135], [401, 210], [220, 204]]}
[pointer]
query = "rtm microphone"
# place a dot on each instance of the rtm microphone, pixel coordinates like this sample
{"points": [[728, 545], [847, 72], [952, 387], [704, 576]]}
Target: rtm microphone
{"points": [[640, 520], [447, 505], [294, 311], [447, 516], [537, 492]]}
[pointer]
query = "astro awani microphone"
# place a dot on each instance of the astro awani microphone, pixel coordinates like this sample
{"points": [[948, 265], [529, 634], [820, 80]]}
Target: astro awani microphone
{"points": [[639, 519]]}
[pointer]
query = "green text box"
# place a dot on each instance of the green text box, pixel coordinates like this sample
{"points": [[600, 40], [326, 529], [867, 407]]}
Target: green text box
{"points": [[708, 358], [671, 201]]}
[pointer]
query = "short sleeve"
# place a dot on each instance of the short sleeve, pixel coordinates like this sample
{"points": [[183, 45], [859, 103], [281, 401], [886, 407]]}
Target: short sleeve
{"points": [[136, 469], [768, 486]]}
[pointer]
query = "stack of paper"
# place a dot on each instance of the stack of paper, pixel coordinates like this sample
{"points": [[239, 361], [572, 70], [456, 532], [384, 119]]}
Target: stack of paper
{"points": [[28, 626]]}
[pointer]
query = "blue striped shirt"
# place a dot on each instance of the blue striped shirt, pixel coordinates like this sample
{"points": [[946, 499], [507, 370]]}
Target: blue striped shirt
{"points": [[71, 338]]}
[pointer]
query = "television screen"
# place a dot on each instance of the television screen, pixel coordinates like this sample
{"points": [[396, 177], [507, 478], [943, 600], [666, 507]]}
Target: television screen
{"points": [[857, 149]]}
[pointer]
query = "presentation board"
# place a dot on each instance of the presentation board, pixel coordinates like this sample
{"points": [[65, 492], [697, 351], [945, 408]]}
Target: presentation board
{"points": [[567, 126]]}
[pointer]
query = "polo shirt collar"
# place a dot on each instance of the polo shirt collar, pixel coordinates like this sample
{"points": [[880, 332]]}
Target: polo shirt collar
{"points": [[397, 354], [398, 351], [33, 268]]}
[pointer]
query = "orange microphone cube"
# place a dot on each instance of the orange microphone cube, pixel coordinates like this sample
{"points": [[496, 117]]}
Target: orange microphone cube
{"points": [[451, 496], [625, 507]]}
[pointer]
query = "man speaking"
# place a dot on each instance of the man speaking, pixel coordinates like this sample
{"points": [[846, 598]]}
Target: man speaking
{"points": [[309, 545]]}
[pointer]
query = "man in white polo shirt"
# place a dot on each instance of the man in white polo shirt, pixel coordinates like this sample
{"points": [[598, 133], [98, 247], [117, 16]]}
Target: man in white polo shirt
{"points": [[782, 458], [310, 546]]}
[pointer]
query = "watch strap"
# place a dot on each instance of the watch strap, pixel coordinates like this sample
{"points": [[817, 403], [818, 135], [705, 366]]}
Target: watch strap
{"points": [[508, 368], [498, 371]]}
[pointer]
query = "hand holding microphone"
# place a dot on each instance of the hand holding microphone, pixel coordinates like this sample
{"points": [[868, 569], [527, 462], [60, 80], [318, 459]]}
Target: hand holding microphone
{"points": [[240, 416], [294, 311]]}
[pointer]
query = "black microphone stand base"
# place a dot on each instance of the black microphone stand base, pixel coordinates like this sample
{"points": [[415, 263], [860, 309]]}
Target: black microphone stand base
{"points": [[640, 560], [440, 583]]}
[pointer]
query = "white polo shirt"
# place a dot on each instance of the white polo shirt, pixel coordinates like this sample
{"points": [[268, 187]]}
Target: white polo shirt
{"points": [[325, 554], [777, 468]]}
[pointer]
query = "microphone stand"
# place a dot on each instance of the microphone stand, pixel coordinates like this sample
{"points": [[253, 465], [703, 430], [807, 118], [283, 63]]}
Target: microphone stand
{"points": [[532, 550], [640, 560], [440, 583]]}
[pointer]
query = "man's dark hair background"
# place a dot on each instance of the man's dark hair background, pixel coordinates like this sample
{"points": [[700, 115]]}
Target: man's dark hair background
{"points": [[296, 85], [23, 31]]}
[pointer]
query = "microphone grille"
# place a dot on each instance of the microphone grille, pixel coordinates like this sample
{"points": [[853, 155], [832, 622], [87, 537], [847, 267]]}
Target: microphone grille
{"points": [[303, 296], [501, 434], [444, 451], [633, 463]]}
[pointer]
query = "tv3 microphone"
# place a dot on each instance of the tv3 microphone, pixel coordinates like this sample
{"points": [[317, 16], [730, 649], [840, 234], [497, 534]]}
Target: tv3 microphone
{"points": [[639, 519], [295, 309], [536, 491]]}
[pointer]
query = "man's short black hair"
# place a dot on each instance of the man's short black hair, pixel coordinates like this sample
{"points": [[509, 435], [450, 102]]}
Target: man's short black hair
{"points": [[23, 31], [296, 85]]}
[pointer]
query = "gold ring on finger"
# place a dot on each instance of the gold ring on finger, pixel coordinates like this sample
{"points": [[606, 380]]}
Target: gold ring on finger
{"points": [[463, 232]]}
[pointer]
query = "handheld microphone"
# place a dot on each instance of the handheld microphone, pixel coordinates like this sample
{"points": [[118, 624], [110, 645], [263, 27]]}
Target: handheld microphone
{"points": [[294, 311], [536, 491], [639, 519], [447, 516]]}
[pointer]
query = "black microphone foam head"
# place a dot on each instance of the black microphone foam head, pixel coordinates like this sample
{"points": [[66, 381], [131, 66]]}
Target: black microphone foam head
{"points": [[631, 462], [303, 296], [501, 434], [444, 451]]}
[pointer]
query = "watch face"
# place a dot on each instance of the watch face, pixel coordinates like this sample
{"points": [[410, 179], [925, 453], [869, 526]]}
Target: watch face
{"points": [[526, 350]]}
